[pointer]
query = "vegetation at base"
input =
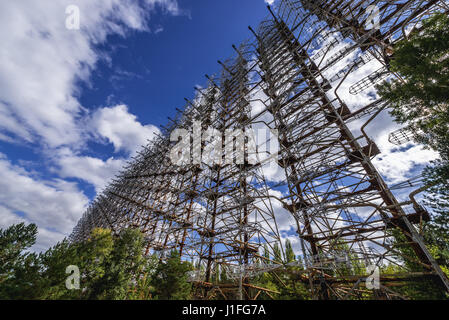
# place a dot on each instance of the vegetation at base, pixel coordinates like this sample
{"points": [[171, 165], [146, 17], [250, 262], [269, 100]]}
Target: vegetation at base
{"points": [[170, 279], [111, 267], [116, 268], [287, 284], [420, 288]]}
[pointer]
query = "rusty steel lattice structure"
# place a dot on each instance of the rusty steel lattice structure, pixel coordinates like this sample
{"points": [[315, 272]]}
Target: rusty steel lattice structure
{"points": [[287, 77]]}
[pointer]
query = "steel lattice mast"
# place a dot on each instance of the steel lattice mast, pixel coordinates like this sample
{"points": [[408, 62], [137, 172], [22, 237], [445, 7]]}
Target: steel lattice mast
{"points": [[286, 77]]}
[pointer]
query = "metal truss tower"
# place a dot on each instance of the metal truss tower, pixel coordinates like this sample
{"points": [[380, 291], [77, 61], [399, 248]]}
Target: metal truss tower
{"points": [[286, 78]]}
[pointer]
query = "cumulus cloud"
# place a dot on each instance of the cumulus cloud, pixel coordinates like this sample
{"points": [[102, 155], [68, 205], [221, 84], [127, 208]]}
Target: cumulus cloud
{"points": [[41, 61], [54, 205], [121, 128], [7, 217], [401, 164], [92, 170]]}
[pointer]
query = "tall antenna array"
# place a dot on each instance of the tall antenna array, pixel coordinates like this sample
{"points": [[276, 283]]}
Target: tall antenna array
{"points": [[287, 78]]}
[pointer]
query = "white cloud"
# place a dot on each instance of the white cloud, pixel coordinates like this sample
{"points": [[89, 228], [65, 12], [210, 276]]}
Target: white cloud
{"points": [[398, 166], [54, 205], [41, 62], [159, 29], [92, 170], [47, 238], [7, 218], [270, 2], [121, 128]]}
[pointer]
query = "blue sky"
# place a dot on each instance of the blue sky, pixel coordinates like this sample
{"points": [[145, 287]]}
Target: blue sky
{"points": [[76, 104], [163, 67]]}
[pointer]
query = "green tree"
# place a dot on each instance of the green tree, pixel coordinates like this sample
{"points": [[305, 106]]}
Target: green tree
{"points": [[277, 253], [436, 231], [19, 269], [420, 101], [420, 289], [170, 279], [53, 264], [122, 264], [288, 281], [143, 290], [266, 253], [111, 267], [289, 254], [13, 241]]}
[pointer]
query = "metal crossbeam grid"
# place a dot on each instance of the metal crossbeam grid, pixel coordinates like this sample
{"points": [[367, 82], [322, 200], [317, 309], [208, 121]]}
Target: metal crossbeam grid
{"points": [[221, 216]]}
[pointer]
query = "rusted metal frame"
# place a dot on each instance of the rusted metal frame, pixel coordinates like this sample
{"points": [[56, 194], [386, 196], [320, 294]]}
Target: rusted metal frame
{"points": [[189, 213], [308, 226], [387, 196], [345, 23], [356, 146], [421, 9], [212, 216], [139, 192], [137, 203], [419, 247], [351, 186], [186, 221], [392, 250], [189, 207]]}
